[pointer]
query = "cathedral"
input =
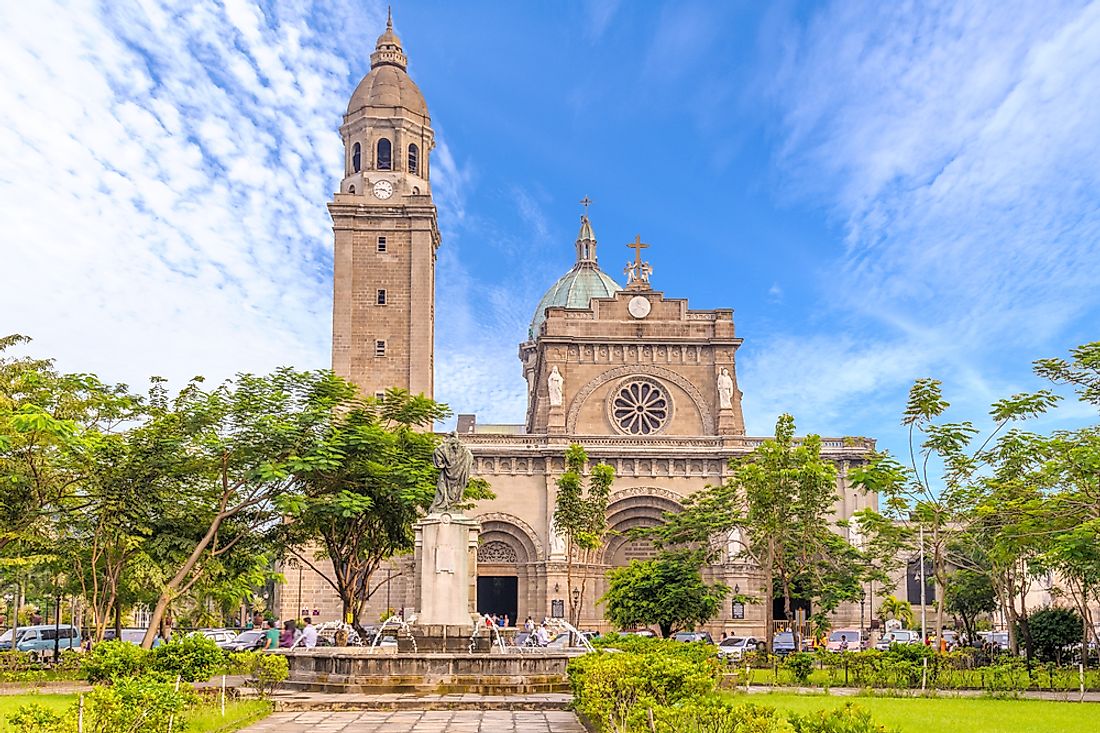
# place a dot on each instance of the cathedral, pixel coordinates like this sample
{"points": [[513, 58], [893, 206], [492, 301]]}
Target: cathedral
{"points": [[644, 382]]}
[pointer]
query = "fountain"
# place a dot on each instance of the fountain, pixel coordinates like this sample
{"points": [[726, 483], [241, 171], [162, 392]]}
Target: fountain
{"points": [[438, 653]]}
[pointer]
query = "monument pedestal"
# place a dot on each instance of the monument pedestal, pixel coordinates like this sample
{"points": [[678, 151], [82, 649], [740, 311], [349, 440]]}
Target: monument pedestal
{"points": [[446, 545], [556, 422]]}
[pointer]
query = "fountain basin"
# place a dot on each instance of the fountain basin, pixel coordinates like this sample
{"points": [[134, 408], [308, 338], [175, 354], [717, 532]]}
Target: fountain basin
{"points": [[357, 670]]}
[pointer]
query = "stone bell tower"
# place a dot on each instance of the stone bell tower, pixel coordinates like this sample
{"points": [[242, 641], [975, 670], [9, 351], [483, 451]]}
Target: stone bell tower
{"points": [[384, 220]]}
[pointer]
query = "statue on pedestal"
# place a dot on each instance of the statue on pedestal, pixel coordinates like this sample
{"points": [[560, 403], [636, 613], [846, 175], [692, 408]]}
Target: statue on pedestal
{"points": [[454, 462]]}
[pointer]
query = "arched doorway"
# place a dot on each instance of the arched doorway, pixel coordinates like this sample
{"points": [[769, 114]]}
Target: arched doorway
{"points": [[508, 558], [497, 579]]}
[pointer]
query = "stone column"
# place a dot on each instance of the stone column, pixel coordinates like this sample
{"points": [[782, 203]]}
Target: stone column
{"points": [[447, 554]]}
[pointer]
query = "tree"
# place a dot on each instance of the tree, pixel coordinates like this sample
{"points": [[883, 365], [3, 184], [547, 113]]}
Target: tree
{"points": [[968, 595], [781, 499], [1054, 629], [369, 479], [892, 607], [668, 592], [943, 508], [235, 449], [580, 516]]}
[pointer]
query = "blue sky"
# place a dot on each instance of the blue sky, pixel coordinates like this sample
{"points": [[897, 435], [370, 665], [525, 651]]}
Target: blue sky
{"points": [[881, 191]]}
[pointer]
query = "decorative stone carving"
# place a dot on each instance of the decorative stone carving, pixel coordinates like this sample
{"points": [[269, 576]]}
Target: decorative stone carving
{"points": [[639, 406], [555, 384], [662, 373], [514, 527], [454, 461], [497, 552], [725, 389]]}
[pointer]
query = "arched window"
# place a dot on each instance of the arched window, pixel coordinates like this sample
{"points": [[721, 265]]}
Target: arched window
{"points": [[351, 189], [356, 158], [414, 158], [385, 155]]}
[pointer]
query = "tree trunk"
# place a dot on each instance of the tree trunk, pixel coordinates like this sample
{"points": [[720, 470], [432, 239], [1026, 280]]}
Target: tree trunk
{"points": [[769, 597], [174, 584]]}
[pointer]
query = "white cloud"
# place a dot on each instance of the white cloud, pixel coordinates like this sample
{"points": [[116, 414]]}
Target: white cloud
{"points": [[960, 146]]}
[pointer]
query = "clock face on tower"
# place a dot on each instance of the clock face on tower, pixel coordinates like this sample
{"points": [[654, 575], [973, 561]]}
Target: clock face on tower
{"points": [[383, 190]]}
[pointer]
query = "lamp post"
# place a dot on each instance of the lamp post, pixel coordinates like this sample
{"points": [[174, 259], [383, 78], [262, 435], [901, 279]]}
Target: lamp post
{"points": [[862, 604], [294, 562]]}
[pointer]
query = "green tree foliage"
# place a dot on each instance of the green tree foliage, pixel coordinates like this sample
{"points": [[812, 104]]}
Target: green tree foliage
{"points": [[781, 499], [944, 506], [580, 516], [892, 607], [969, 594], [358, 493], [667, 592], [1053, 630]]}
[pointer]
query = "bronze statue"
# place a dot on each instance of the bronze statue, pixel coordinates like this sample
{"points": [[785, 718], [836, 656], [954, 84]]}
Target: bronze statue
{"points": [[454, 461]]}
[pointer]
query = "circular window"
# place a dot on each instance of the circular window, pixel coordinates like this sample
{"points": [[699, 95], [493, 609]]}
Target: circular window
{"points": [[640, 407]]}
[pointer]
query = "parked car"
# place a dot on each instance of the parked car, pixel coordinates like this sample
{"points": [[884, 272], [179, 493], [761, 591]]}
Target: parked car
{"points": [[898, 636], [996, 640], [736, 647], [134, 635], [220, 637], [246, 641], [650, 633], [42, 639], [850, 640], [783, 643], [693, 636]]}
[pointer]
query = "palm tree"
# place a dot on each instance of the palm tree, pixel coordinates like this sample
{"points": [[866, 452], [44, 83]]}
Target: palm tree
{"points": [[892, 607]]}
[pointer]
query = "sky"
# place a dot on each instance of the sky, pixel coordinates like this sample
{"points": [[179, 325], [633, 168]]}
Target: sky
{"points": [[881, 191]]}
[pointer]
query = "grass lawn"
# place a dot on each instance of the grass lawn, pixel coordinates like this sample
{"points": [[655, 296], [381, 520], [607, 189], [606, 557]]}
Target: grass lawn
{"points": [[956, 715], [201, 720]]}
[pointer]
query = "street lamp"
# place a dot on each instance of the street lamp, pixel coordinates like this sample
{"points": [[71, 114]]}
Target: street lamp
{"points": [[862, 603]]}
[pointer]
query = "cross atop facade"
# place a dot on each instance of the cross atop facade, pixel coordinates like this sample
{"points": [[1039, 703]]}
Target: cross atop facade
{"points": [[586, 202], [637, 246], [637, 272]]}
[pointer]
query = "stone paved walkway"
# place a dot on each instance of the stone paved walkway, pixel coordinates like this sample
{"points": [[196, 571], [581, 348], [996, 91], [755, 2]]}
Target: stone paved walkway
{"points": [[413, 721]]}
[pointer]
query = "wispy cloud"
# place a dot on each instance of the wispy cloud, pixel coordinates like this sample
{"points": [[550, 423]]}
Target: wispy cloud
{"points": [[960, 147]]}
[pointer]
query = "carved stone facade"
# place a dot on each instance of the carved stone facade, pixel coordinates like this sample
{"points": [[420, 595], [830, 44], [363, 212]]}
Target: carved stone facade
{"points": [[643, 382]]}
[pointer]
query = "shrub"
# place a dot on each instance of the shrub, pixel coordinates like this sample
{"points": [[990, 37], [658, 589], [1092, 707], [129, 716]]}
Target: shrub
{"points": [[109, 661], [801, 665], [34, 718], [135, 705], [267, 670], [1052, 630], [846, 719], [194, 658]]}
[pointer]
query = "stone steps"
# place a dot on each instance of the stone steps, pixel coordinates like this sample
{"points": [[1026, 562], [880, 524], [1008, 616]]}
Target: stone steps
{"points": [[305, 702]]}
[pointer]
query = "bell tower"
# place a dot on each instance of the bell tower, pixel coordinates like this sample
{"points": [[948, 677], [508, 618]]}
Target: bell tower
{"points": [[386, 232]]}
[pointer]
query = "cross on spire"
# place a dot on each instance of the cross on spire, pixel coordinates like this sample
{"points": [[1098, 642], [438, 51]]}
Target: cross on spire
{"points": [[586, 202]]}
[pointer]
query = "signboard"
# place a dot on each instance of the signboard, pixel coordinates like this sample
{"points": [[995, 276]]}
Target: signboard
{"points": [[557, 609], [738, 610]]}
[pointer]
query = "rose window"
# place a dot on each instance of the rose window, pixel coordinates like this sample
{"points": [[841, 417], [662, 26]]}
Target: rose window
{"points": [[640, 407]]}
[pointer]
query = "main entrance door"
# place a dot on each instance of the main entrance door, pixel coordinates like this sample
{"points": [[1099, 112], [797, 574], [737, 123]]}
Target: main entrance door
{"points": [[498, 594]]}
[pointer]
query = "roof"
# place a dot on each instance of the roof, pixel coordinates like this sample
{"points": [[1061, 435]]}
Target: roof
{"points": [[574, 289]]}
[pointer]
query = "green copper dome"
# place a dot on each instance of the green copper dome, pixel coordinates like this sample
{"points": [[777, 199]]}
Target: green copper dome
{"points": [[576, 288]]}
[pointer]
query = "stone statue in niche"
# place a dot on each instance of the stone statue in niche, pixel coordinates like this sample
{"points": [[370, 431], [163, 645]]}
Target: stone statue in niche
{"points": [[734, 544], [454, 462], [855, 533], [557, 542], [725, 389], [555, 384]]}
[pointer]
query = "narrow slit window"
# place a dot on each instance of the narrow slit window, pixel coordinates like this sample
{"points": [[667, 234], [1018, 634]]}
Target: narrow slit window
{"points": [[356, 158], [379, 348], [381, 300], [414, 159], [381, 244]]}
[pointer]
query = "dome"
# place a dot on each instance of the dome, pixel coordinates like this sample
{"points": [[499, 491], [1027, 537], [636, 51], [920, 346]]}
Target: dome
{"points": [[387, 84], [576, 288]]}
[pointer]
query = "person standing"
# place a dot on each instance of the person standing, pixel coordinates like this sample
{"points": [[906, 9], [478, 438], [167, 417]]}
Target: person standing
{"points": [[529, 625], [309, 633], [271, 635]]}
